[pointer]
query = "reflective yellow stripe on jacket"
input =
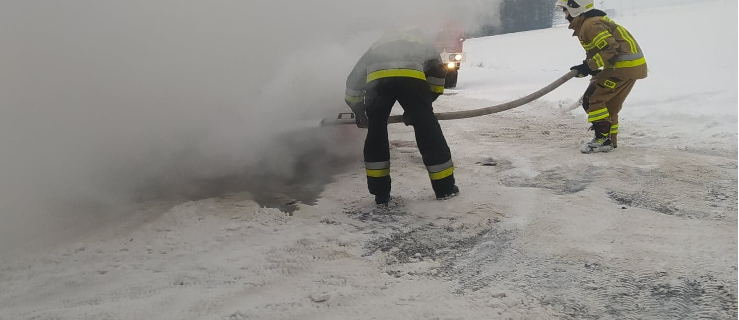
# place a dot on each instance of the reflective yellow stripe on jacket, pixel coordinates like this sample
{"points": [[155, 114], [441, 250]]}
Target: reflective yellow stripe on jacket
{"points": [[597, 41], [353, 97], [390, 73], [635, 59], [407, 69], [629, 60], [436, 85]]}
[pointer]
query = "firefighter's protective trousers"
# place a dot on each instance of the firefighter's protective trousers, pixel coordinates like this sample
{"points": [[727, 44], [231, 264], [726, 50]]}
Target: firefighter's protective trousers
{"points": [[603, 100], [414, 96]]}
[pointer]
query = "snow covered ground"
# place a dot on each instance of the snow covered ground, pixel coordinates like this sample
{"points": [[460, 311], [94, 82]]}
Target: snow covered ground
{"points": [[646, 232]]}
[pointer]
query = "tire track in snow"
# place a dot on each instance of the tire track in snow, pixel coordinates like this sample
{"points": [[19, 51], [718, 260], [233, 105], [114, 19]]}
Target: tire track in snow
{"points": [[486, 256]]}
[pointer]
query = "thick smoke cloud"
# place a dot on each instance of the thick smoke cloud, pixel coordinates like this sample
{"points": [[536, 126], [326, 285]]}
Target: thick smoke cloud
{"points": [[105, 101]]}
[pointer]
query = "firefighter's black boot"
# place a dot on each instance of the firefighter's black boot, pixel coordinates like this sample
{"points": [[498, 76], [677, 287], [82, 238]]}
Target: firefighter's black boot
{"points": [[454, 192], [382, 199], [602, 140]]}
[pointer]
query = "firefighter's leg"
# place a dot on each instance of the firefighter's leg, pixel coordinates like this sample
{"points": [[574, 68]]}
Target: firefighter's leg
{"points": [[594, 103], [614, 106], [586, 96], [415, 98], [602, 105], [377, 148]]}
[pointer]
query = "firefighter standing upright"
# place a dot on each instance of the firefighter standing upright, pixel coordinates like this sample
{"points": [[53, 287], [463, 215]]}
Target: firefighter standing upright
{"points": [[406, 68], [614, 59]]}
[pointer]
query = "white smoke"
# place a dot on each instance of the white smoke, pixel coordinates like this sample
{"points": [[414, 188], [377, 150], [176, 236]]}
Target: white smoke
{"points": [[102, 99]]}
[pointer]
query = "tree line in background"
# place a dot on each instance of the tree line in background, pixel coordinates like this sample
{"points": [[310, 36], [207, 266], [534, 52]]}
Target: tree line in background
{"points": [[517, 16]]}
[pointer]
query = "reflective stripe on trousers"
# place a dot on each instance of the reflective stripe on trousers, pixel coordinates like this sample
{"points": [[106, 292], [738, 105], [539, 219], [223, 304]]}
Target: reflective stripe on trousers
{"points": [[441, 171], [377, 169], [599, 114]]}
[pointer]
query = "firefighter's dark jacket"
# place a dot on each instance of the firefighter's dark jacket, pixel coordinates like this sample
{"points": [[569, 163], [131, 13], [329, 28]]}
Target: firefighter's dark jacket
{"points": [[406, 55]]}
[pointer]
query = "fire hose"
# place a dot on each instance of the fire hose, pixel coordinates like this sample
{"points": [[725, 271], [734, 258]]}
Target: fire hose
{"points": [[348, 118]]}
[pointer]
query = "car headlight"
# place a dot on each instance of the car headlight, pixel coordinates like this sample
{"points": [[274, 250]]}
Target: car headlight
{"points": [[451, 65], [458, 57]]}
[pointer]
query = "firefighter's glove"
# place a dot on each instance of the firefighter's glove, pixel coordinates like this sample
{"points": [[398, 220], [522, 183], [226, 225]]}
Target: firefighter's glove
{"points": [[582, 70], [362, 120], [360, 117]]}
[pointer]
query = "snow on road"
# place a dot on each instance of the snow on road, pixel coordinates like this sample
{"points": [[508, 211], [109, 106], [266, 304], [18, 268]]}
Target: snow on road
{"points": [[646, 232]]}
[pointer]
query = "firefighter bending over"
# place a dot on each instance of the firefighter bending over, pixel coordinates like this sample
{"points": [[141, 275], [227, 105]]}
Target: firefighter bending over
{"points": [[403, 67]]}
